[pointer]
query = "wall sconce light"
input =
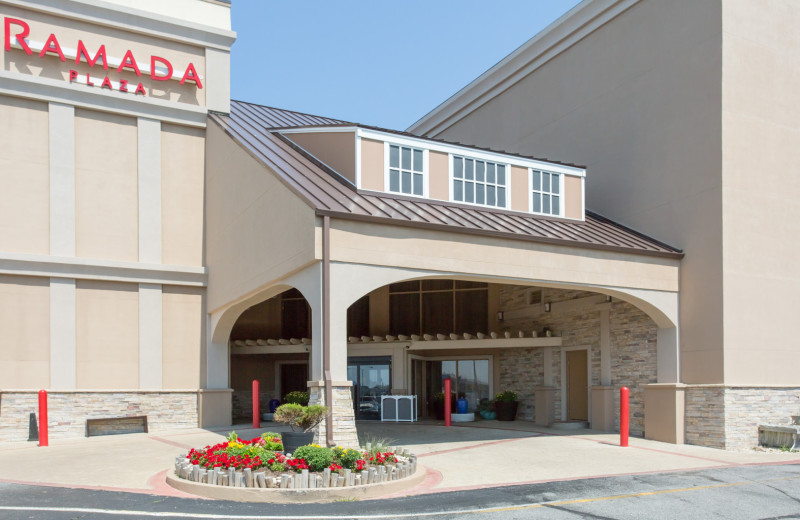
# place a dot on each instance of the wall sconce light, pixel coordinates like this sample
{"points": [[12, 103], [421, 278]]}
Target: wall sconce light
{"points": [[547, 307], [500, 316], [608, 299]]}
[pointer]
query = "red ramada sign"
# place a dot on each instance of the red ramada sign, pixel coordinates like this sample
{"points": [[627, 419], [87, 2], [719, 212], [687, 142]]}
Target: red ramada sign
{"points": [[159, 69]]}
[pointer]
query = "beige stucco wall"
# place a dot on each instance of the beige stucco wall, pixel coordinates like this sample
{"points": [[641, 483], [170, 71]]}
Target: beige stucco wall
{"points": [[244, 199], [371, 165], [518, 189], [24, 176], [106, 186], [438, 175], [648, 128], [182, 336], [25, 322], [182, 183], [336, 149], [117, 42], [760, 147], [573, 197], [376, 244], [107, 335]]}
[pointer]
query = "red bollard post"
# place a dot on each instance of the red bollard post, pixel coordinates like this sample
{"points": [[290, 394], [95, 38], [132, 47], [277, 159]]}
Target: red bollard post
{"points": [[43, 440], [256, 405], [623, 416], [447, 403]]}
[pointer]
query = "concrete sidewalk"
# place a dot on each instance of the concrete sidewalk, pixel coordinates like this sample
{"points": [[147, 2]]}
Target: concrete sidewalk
{"points": [[483, 454]]}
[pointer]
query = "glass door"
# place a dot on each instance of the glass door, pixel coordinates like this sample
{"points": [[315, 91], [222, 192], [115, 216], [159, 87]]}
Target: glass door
{"points": [[372, 378]]}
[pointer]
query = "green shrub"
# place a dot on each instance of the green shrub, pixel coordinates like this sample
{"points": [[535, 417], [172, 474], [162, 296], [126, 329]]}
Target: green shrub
{"points": [[506, 396], [317, 457], [297, 397], [272, 441], [347, 457], [301, 417]]}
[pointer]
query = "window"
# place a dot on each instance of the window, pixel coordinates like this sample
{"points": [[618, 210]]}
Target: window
{"points": [[405, 170], [438, 307], [546, 193], [479, 182]]}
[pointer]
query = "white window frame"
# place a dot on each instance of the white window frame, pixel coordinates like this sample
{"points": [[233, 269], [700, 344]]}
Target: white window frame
{"points": [[561, 194], [451, 179], [386, 168]]}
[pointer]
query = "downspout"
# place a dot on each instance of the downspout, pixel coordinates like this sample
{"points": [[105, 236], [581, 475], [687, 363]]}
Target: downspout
{"points": [[326, 325]]}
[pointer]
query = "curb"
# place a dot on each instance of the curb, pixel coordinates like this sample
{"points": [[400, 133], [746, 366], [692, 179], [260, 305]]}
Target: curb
{"points": [[294, 496]]}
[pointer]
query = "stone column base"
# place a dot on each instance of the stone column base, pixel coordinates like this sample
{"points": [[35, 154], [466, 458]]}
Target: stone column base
{"points": [[544, 397], [344, 421], [664, 405], [603, 409]]}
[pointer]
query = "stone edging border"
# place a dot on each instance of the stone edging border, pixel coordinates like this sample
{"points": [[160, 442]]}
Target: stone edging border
{"points": [[286, 496]]}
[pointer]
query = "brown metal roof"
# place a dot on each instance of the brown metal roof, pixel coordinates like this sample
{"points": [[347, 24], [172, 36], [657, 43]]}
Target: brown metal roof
{"points": [[253, 127], [273, 118], [276, 118]]}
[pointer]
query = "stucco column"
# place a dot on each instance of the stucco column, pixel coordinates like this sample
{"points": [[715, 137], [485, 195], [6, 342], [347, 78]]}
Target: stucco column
{"points": [[311, 283], [214, 399], [664, 402]]}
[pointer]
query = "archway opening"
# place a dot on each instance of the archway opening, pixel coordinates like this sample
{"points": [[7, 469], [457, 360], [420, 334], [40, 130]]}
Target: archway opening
{"points": [[270, 342]]}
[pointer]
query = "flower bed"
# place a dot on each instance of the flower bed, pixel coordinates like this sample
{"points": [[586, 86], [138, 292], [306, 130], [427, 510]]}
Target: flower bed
{"points": [[261, 463]]}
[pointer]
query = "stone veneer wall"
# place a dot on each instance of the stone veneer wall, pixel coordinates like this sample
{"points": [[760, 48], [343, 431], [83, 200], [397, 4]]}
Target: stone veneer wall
{"points": [[704, 416], [728, 416], [633, 349], [68, 410], [344, 421]]}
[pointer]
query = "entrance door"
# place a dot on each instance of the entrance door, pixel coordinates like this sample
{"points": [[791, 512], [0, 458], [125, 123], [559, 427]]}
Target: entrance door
{"points": [[294, 377], [577, 386], [372, 378]]}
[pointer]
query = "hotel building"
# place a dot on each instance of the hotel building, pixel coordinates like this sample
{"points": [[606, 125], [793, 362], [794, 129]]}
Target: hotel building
{"points": [[161, 246]]}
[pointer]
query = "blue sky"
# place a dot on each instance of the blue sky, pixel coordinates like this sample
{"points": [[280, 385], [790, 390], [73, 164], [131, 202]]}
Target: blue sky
{"points": [[375, 62]]}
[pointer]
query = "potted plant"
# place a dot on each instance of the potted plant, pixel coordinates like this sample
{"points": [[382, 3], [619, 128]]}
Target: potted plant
{"points": [[438, 404], [505, 405], [302, 420], [486, 409]]}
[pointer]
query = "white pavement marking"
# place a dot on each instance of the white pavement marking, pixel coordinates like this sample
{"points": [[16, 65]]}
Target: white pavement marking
{"points": [[166, 514]]}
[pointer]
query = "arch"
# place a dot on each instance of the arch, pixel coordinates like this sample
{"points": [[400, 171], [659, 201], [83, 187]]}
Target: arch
{"points": [[351, 281]]}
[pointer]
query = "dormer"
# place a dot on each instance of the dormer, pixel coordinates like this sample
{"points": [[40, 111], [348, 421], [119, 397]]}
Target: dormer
{"points": [[377, 160]]}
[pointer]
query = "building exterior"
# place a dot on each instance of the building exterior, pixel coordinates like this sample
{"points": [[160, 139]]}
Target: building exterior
{"points": [[676, 108], [165, 245], [103, 109]]}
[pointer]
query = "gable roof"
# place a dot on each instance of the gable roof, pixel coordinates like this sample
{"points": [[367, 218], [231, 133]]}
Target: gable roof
{"points": [[257, 130]]}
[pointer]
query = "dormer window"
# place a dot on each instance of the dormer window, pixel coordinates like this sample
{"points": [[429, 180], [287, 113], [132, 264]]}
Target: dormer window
{"points": [[479, 182], [547, 191], [406, 170]]}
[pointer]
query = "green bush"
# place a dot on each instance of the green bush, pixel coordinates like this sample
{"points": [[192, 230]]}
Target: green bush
{"points": [[347, 457], [301, 417], [272, 441], [317, 457], [297, 397], [506, 396]]}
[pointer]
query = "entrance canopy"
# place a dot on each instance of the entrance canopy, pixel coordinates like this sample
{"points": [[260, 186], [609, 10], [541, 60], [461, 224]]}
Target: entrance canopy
{"points": [[279, 217]]}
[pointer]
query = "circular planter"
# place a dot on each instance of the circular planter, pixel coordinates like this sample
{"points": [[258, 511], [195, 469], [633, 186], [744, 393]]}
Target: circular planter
{"points": [[283, 496], [506, 411], [293, 440]]}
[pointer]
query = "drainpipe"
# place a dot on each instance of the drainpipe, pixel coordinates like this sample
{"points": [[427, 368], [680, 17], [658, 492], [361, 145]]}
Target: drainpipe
{"points": [[326, 325]]}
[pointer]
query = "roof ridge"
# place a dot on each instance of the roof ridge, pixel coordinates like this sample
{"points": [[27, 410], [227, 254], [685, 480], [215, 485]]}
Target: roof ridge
{"points": [[289, 110]]}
